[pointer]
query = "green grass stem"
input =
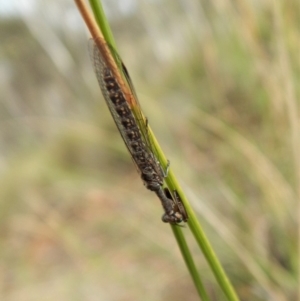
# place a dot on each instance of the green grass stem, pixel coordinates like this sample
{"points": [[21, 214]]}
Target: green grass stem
{"points": [[187, 256], [102, 22]]}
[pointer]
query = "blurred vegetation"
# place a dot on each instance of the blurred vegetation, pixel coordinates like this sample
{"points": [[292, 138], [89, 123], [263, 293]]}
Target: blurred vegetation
{"points": [[218, 81]]}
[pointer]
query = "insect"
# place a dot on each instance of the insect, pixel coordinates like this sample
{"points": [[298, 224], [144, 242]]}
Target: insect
{"points": [[133, 127], [178, 203]]}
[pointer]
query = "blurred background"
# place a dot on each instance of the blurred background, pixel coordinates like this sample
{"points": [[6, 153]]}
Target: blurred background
{"points": [[219, 83]]}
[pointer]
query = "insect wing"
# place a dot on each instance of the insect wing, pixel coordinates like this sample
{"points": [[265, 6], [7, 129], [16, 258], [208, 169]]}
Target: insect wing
{"points": [[142, 121], [135, 105], [101, 70], [133, 115]]}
